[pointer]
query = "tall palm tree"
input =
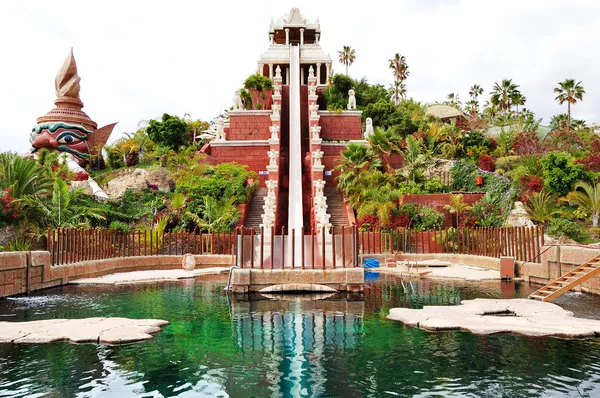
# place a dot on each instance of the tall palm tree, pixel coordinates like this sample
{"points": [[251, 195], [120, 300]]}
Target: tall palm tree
{"points": [[399, 67], [517, 99], [398, 91], [503, 93], [587, 196], [569, 92], [347, 57], [475, 91]]}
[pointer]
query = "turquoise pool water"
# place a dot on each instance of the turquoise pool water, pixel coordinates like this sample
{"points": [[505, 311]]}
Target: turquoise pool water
{"points": [[334, 347]]}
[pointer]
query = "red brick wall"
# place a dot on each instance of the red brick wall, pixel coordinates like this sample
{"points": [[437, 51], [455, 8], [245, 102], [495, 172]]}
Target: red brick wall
{"points": [[439, 200], [249, 127], [331, 156], [254, 156], [340, 127]]}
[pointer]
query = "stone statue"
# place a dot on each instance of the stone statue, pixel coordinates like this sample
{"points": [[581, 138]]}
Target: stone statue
{"points": [[275, 108], [278, 73], [311, 73], [317, 156], [369, 128], [271, 185], [273, 155], [351, 100], [276, 90], [67, 128], [220, 130], [314, 110], [274, 129], [316, 131], [319, 185], [312, 89], [238, 104]]}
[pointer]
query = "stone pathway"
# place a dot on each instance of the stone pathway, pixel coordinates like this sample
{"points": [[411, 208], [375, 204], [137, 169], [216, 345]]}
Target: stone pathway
{"points": [[87, 330], [487, 316], [149, 276]]}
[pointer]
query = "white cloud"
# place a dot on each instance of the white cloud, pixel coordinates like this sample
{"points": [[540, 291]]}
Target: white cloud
{"points": [[140, 59]]}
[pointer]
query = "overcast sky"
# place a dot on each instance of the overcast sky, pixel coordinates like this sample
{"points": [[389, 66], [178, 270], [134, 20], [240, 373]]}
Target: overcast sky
{"points": [[139, 59]]}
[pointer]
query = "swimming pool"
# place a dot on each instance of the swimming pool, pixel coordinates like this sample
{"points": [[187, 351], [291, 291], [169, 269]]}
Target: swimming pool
{"points": [[255, 347]]}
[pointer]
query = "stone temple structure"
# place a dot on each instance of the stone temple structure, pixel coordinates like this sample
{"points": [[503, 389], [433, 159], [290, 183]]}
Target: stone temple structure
{"points": [[292, 144]]}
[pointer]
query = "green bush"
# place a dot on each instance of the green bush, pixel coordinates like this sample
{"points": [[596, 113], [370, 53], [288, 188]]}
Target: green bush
{"points": [[563, 228], [258, 82], [422, 217], [171, 131], [433, 185], [560, 173], [119, 226]]}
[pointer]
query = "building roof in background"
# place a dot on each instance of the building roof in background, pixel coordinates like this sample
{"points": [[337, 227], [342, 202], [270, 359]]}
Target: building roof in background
{"points": [[444, 111]]}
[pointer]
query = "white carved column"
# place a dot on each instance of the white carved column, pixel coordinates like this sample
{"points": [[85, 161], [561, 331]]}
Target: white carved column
{"points": [[287, 75], [327, 72], [301, 36], [261, 69], [318, 73], [272, 38], [301, 75], [287, 36], [271, 71], [317, 38]]}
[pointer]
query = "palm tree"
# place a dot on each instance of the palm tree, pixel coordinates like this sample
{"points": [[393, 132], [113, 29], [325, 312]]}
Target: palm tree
{"points": [[416, 159], [540, 206], [569, 92], [380, 200], [457, 205], [398, 91], [578, 124], [472, 107], [63, 209], [475, 91], [355, 159], [503, 93], [24, 177], [347, 57], [559, 122], [453, 100], [399, 67], [587, 196], [517, 99], [384, 144]]}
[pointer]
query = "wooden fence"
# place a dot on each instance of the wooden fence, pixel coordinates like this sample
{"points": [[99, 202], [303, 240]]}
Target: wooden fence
{"points": [[70, 245], [523, 243], [340, 247]]}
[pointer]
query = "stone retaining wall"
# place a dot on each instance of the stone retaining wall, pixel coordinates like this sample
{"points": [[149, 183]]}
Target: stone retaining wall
{"points": [[14, 269]]}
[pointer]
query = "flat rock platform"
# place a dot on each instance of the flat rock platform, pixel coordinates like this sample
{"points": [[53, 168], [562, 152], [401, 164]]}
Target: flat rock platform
{"points": [[487, 316], [149, 276], [86, 330]]}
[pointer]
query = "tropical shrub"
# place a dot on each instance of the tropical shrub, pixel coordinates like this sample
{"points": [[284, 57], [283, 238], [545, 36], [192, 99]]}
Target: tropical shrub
{"points": [[119, 226], [563, 228], [560, 172], [9, 209], [433, 185], [170, 131], [486, 163]]}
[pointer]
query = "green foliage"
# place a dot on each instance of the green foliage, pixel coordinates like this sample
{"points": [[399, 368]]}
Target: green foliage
{"points": [[24, 177], [433, 185], [563, 228], [170, 132], [493, 209], [561, 173], [119, 226], [541, 206], [258, 82], [422, 217], [17, 245], [336, 97]]}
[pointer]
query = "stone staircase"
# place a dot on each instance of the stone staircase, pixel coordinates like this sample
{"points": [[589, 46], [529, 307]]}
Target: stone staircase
{"points": [[568, 281], [255, 212], [335, 207]]}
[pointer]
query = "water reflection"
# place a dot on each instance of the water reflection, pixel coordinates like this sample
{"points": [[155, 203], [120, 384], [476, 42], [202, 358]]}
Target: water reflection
{"points": [[286, 346]]}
